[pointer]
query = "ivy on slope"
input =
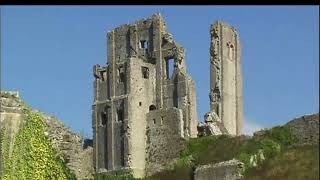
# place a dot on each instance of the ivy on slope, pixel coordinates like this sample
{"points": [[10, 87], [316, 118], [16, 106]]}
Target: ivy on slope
{"points": [[33, 156], [4, 141]]}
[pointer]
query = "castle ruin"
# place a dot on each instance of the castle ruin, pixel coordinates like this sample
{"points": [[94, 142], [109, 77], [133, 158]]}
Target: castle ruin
{"points": [[226, 99], [145, 103], [141, 109]]}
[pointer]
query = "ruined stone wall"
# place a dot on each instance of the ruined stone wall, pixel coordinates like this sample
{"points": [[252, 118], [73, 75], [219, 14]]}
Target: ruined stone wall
{"points": [[179, 92], [135, 81], [129, 77], [141, 99], [70, 146], [227, 170], [165, 140], [192, 106], [226, 77]]}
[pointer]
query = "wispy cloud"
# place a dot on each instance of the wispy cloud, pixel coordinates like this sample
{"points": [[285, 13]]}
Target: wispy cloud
{"points": [[251, 126]]}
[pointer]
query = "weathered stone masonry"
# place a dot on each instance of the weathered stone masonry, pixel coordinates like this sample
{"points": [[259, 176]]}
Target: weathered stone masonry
{"points": [[226, 100], [138, 103]]}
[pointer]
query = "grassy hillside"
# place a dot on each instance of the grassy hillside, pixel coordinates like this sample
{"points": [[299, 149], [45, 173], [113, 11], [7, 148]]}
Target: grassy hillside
{"points": [[269, 156], [272, 155], [298, 163]]}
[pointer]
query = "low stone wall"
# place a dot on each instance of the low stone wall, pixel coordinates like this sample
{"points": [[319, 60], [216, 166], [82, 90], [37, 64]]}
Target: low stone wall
{"points": [[227, 170]]}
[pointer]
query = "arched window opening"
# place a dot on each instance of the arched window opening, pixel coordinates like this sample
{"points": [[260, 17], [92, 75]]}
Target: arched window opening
{"points": [[169, 68], [121, 74], [104, 118], [120, 115], [144, 44], [145, 72], [152, 107]]}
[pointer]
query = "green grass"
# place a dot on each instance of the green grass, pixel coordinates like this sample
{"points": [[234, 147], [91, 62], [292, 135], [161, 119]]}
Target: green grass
{"points": [[111, 177], [277, 157], [275, 145], [212, 149], [295, 163], [199, 151]]}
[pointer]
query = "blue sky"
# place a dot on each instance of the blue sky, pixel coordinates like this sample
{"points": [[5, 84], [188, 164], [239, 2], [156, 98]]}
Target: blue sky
{"points": [[47, 54]]}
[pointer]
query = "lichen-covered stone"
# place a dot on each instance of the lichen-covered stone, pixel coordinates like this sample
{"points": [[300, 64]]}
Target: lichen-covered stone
{"points": [[226, 170]]}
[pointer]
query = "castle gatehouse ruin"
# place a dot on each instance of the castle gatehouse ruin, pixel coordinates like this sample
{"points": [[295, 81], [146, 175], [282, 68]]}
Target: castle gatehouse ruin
{"points": [[145, 103]]}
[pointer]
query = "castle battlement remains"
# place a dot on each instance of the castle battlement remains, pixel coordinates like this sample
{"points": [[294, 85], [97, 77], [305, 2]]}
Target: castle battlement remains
{"points": [[145, 101], [226, 97]]}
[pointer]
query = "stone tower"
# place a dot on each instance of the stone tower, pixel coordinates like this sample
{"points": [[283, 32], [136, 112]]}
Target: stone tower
{"points": [[226, 100], [144, 100]]}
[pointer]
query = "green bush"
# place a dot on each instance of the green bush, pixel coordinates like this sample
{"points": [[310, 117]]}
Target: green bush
{"points": [[270, 148], [281, 134], [245, 158], [183, 162]]}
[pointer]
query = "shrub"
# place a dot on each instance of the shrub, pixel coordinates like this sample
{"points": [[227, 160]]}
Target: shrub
{"points": [[270, 148], [281, 134], [185, 161]]}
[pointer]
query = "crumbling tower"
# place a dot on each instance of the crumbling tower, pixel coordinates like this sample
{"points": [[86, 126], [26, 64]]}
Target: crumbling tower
{"points": [[226, 100], [143, 106]]}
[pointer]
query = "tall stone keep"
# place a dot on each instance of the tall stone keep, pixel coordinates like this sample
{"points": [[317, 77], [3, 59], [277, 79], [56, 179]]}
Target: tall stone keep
{"points": [[144, 100], [226, 99]]}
